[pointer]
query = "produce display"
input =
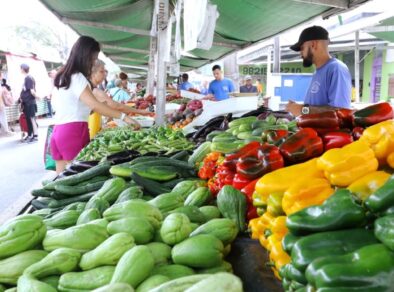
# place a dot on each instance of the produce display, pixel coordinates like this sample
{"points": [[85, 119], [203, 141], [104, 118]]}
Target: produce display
{"points": [[145, 213], [155, 139], [186, 113]]}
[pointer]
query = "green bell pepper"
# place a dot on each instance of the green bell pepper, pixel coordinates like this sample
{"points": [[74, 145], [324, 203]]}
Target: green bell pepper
{"points": [[317, 245], [383, 198], [292, 273], [389, 211], [286, 284], [340, 211], [288, 242], [369, 268], [384, 231]]}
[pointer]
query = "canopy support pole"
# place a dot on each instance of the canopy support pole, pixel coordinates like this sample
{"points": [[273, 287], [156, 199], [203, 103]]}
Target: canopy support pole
{"points": [[162, 21], [357, 65], [151, 66], [276, 68]]}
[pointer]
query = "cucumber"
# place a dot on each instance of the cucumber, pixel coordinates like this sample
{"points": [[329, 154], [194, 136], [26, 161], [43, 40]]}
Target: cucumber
{"points": [[213, 134], [150, 186], [61, 203], [245, 127], [244, 135], [78, 190], [259, 124], [239, 122], [199, 154], [41, 193], [71, 180], [158, 173], [41, 203], [159, 161], [258, 131], [181, 155]]}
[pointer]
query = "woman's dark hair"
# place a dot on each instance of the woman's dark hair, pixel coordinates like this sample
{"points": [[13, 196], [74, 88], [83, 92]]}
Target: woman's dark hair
{"points": [[123, 76], [80, 61], [4, 84]]}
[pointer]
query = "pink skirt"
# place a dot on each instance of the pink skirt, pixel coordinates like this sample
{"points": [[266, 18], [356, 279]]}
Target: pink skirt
{"points": [[68, 140]]}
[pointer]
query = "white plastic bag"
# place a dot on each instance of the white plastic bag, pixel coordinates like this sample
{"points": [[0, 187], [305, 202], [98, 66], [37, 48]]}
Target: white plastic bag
{"points": [[205, 38], [193, 20]]}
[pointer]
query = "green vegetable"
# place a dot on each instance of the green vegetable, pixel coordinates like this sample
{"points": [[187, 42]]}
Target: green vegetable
{"points": [[199, 154], [173, 271], [368, 268], [167, 202], [232, 204], [63, 219], [111, 189], [384, 230], [241, 121], [200, 251], [185, 187], [293, 274], [29, 284], [41, 193], [21, 233], [64, 202], [51, 280], [175, 228], [382, 198], [198, 197], [161, 252], [60, 261], [134, 208], [218, 282], [213, 134], [226, 147], [134, 266], [116, 287], [288, 242], [149, 186], [86, 280], [339, 211], [152, 282], [100, 169], [97, 203], [12, 268], [79, 190], [107, 253], [223, 267], [332, 243], [210, 212], [223, 229], [88, 216], [129, 194], [82, 237], [192, 212], [179, 285], [139, 227]]}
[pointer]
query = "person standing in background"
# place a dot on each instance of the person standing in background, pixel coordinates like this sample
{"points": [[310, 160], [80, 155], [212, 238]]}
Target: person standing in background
{"points": [[248, 87], [29, 106], [219, 88], [185, 85], [259, 86], [5, 100], [48, 98], [118, 93]]}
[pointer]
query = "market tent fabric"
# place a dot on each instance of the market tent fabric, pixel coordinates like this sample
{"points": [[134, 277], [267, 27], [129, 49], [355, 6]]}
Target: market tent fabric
{"points": [[385, 35], [122, 26]]}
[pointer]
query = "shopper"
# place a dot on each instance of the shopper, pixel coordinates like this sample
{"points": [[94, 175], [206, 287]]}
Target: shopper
{"points": [[185, 85], [28, 98], [219, 88], [248, 87], [75, 101], [139, 90], [5, 100], [331, 84], [48, 98], [125, 82], [118, 94]]}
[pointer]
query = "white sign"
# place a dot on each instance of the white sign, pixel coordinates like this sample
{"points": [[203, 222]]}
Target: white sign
{"points": [[288, 83]]}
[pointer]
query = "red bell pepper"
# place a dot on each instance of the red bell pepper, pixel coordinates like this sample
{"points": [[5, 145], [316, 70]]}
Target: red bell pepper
{"points": [[248, 190], [251, 213], [373, 114], [302, 146], [357, 132], [336, 140], [231, 160], [325, 120], [276, 137], [239, 181], [345, 117], [266, 159]]}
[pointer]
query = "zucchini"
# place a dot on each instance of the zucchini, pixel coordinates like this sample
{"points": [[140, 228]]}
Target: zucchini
{"points": [[99, 169], [151, 187], [199, 154], [181, 155], [41, 203], [159, 173], [258, 131], [79, 189], [155, 161], [244, 135], [213, 134], [61, 203], [259, 124], [41, 193]]}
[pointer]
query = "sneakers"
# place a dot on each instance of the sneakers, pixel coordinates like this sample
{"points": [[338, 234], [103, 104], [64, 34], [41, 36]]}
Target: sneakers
{"points": [[30, 139]]}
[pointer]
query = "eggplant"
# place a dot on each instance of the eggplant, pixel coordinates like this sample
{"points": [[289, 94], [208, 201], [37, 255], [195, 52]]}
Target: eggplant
{"points": [[257, 112], [210, 126]]}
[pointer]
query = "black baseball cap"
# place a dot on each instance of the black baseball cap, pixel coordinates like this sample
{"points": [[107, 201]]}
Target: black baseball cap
{"points": [[310, 34]]}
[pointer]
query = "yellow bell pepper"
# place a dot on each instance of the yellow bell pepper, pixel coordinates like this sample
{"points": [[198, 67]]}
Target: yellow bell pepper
{"points": [[369, 183], [278, 226], [390, 160], [279, 181], [304, 193], [254, 228], [345, 165], [278, 256], [380, 138], [263, 241]]}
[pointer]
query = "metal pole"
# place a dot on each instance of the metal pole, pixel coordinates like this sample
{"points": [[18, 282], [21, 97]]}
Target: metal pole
{"points": [[357, 65], [276, 68], [151, 68]]}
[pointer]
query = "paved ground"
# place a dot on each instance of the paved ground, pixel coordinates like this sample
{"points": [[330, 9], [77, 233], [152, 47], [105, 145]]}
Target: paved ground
{"points": [[21, 168]]}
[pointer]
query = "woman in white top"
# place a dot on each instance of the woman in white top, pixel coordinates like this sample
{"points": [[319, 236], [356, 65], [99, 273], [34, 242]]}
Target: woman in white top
{"points": [[75, 101]]}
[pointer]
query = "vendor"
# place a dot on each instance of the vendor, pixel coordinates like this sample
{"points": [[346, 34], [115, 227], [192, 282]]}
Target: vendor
{"points": [[185, 85], [248, 87], [331, 84], [118, 94], [219, 88]]}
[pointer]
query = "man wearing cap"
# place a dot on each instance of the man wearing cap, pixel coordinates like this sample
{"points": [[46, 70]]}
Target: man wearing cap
{"points": [[331, 84], [248, 87]]}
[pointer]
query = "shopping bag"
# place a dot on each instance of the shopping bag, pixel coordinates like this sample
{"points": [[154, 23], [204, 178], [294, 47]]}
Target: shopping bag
{"points": [[50, 164], [23, 123]]}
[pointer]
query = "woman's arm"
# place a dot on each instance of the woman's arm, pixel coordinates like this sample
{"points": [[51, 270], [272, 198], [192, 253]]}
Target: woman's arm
{"points": [[89, 99]]}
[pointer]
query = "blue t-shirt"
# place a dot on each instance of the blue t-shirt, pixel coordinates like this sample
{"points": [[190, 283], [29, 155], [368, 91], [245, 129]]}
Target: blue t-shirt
{"points": [[119, 95], [330, 85], [220, 89], [186, 86]]}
